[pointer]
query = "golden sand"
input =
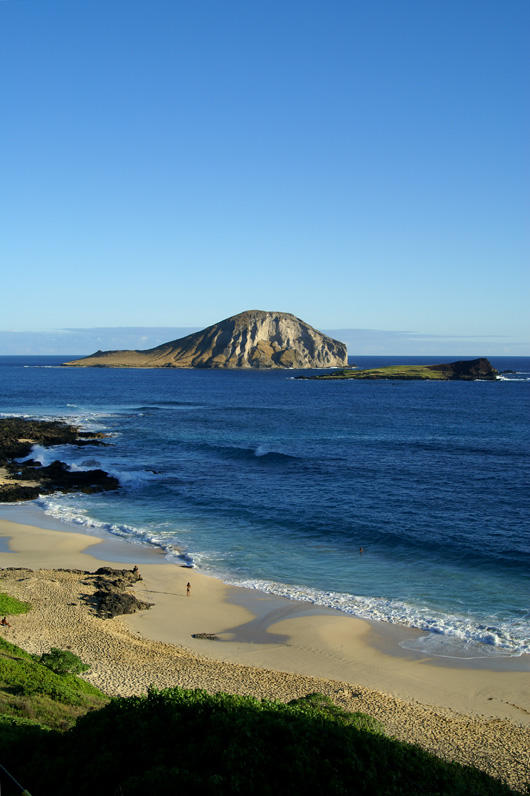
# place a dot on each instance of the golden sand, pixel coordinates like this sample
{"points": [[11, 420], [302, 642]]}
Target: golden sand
{"points": [[266, 648]]}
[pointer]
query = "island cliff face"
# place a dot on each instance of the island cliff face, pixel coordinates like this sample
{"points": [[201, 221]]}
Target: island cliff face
{"points": [[252, 339]]}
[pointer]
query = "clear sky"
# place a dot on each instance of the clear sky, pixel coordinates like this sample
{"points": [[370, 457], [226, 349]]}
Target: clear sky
{"points": [[361, 164]]}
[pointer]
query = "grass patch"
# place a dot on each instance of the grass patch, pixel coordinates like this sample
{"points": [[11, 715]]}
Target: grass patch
{"points": [[390, 372], [30, 690], [10, 605]]}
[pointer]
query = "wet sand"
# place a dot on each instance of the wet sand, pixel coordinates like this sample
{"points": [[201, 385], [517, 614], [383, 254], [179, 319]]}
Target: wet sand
{"points": [[470, 711]]}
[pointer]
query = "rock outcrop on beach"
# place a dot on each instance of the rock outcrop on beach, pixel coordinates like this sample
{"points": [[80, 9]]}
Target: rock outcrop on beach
{"points": [[252, 339], [110, 597], [463, 370], [27, 479]]}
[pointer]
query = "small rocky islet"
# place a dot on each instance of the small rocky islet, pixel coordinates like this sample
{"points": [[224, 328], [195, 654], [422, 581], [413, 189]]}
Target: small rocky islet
{"points": [[462, 370], [27, 479]]}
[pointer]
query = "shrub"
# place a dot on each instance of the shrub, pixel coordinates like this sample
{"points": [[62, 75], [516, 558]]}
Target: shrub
{"points": [[63, 662], [177, 741]]}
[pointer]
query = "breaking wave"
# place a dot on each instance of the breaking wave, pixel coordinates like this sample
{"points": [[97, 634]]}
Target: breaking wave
{"points": [[75, 515], [508, 639], [261, 453]]}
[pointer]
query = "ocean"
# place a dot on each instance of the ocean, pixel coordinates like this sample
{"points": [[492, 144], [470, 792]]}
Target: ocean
{"points": [[276, 484]]}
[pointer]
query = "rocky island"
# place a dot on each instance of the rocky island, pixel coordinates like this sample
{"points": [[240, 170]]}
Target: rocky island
{"points": [[27, 479], [463, 370], [252, 339]]}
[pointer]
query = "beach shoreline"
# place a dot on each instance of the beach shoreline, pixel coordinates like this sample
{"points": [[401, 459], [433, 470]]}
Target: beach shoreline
{"points": [[266, 646], [389, 638]]}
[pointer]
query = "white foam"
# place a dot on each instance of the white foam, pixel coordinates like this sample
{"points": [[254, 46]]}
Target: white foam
{"points": [[42, 455], [444, 647], [73, 514], [513, 640], [459, 635], [131, 478]]}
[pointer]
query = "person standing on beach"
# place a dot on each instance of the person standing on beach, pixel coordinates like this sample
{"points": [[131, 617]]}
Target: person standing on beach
{"points": [[188, 589]]}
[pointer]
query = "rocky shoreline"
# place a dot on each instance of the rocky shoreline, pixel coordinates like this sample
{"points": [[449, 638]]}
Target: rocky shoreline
{"points": [[27, 479]]}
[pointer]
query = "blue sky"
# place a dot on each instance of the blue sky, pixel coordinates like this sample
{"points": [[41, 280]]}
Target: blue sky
{"points": [[363, 165]]}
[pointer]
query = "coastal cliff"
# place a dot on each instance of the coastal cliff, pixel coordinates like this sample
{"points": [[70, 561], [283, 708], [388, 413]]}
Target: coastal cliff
{"points": [[463, 370], [252, 339]]}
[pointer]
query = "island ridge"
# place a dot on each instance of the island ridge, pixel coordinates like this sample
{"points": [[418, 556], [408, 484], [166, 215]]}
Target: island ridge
{"points": [[251, 339]]}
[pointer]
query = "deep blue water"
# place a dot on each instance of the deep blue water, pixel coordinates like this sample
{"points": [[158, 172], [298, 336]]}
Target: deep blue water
{"points": [[277, 483]]}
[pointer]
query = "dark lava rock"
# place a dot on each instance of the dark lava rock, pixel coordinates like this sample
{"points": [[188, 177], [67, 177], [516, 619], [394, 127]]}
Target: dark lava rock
{"points": [[109, 579], [12, 493], [41, 432], [130, 575], [57, 476], [114, 603], [110, 598], [468, 369], [17, 437]]}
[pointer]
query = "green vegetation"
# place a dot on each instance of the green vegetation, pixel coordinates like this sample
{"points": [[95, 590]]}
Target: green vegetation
{"points": [[192, 742], [30, 690], [63, 662], [390, 372], [463, 370], [60, 735], [10, 605]]}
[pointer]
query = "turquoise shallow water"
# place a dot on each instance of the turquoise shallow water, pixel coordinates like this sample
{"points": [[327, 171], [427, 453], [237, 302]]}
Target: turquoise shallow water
{"points": [[276, 484]]}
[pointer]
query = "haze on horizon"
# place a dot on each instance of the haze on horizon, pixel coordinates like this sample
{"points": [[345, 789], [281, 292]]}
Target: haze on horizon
{"points": [[361, 165], [78, 342]]}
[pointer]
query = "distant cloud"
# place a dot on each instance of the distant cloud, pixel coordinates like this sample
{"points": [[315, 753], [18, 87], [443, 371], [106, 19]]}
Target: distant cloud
{"points": [[69, 342], [388, 342], [76, 342]]}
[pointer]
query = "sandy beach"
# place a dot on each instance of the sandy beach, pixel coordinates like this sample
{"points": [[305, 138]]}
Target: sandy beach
{"points": [[475, 712]]}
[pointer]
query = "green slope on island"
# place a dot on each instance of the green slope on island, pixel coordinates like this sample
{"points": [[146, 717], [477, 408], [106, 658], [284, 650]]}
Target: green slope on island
{"points": [[463, 370]]}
